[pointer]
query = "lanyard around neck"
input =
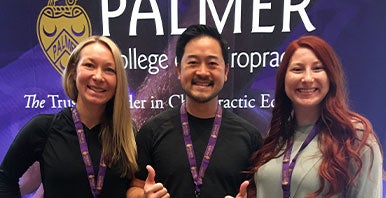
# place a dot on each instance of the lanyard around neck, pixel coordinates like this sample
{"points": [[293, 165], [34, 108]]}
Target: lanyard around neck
{"points": [[198, 177], [96, 185], [289, 167]]}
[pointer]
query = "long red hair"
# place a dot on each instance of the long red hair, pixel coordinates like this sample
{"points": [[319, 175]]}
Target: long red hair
{"points": [[339, 140]]}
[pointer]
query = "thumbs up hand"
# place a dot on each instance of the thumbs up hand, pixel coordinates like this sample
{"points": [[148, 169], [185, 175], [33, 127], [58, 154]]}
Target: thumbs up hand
{"points": [[151, 175], [242, 192], [153, 189]]}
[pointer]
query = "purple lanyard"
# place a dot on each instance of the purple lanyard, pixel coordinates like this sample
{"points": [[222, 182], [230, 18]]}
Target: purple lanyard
{"points": [[287, 167], [198, 177], [95, 189]]}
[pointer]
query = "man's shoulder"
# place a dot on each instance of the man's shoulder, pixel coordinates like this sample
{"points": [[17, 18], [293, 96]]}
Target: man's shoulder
{"points": [[230, 116], [236, 123], [163, 117], [167, 114]]}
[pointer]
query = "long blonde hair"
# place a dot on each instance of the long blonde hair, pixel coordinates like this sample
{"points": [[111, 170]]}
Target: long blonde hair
{"points": [[117, 134]]}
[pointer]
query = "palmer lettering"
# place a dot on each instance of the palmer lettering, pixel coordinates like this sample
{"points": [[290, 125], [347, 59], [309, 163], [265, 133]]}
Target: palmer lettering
{"points": [[288, 10]]}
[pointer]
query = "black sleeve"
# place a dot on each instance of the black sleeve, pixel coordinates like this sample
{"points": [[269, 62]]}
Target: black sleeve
{"points": [[259, 140], [23, 152], [144, 142], [135, 128]]}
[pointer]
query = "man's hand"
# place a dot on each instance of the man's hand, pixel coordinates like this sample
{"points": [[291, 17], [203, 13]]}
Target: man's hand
{"points": [[242, 191], [152, 189]]}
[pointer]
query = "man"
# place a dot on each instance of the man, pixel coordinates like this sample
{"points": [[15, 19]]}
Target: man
{"points": [[197, 149]]}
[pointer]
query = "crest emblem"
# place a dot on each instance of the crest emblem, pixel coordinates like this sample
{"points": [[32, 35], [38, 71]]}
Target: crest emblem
{"points": [[59, 29]]}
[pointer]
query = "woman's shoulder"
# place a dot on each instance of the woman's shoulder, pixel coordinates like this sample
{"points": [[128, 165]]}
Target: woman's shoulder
{"points": [[365, 131], [43, 122]]}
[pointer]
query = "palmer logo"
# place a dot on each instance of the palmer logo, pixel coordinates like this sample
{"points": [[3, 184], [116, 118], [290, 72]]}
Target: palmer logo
{"points": [[59, 29]]}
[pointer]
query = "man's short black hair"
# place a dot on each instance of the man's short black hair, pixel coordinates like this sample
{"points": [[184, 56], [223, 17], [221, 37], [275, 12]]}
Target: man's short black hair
{"points": [[195, 31]]}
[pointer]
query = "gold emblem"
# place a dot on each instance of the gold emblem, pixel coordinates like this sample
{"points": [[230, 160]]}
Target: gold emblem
{"points": [[59, 29]]}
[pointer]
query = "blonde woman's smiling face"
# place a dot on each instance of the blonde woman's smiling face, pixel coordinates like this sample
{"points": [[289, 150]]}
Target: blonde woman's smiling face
{"points": [[95, 76]]}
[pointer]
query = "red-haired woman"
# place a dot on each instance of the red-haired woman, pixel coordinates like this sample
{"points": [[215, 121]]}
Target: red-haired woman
{"points": [[316, 145]]}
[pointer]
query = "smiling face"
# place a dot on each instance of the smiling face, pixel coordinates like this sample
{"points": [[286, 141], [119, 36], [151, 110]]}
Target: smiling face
{"points": [[306, 80], [95, 75], [202, 70]]}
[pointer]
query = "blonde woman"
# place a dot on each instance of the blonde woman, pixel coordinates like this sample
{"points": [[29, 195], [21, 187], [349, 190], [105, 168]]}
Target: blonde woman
{"points": [[87, 150]]}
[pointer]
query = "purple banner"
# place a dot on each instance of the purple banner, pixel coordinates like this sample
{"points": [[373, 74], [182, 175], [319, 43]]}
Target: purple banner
{"points": [[38, 36]]}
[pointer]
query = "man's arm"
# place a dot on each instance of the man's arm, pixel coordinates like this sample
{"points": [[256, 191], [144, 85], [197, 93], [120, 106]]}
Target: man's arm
{"points": [[136, 189], [141, 189]]}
